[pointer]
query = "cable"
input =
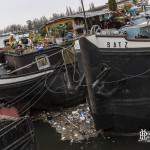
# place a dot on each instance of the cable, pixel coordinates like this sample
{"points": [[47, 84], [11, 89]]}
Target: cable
{"points": [[34, 102], [31, 100], [48, 86], [17, 123], [21, 140], [22, 118], [34, 62], [127, 78], [25, 145], [32, 87], [74, 67]]}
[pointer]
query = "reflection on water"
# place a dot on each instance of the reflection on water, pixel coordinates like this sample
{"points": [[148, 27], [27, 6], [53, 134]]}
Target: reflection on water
{"points": [[48, 139]]}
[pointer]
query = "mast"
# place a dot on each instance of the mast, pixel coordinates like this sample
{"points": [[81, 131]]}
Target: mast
{"points": [[85, 19]]}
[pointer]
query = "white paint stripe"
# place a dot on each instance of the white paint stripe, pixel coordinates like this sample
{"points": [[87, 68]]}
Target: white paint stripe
{"points": [[24, 78], [120, 42]]}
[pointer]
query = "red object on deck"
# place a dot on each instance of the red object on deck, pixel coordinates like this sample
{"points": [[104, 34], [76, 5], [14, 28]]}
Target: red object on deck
{"points": [[9, 113]]}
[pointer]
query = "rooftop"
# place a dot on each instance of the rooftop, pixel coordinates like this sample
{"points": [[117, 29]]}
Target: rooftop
{"points": [[97, 11], [89, 14]]}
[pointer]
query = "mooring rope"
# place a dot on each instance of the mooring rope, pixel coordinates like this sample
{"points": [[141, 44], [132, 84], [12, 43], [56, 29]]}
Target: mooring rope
{"points": [[51, 83], [31, 89], [20, 141], [74, 65], [16, 123], [25, 93], [43, 93], [30, 101], [34, 87], [29, 65], [34, 102], [34, 62]]}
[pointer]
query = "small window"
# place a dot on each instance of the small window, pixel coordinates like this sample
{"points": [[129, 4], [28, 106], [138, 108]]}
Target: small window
{"points": [[42, 62]]}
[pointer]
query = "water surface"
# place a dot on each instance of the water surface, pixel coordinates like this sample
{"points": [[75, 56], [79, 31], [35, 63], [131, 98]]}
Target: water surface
{"points": [[48, 139]]}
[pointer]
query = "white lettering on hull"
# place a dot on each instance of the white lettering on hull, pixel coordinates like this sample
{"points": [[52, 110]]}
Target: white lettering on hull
{"points": [[117, 42]]}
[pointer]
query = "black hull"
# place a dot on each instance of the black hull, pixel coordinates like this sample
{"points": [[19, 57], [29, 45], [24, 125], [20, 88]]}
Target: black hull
{"points": [[19, 60], [118, 85], [57, 88], [42, 92]]}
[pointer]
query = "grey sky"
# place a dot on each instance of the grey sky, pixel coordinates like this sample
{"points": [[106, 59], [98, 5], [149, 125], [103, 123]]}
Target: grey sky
{"points": [[19, 11]]}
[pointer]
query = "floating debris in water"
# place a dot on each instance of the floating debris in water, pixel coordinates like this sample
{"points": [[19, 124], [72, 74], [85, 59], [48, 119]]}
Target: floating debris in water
{"points": [[74, 124]]}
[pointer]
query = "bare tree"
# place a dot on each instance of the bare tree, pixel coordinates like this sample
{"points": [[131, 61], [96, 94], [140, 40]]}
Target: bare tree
{"points": [[29, 24], [91, 6], [80, 9]]}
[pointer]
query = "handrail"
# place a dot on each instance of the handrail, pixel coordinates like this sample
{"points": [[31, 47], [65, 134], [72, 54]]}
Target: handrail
{"points": [[95, 29]]}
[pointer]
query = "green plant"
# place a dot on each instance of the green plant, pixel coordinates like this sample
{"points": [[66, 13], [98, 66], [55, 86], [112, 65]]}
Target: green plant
{"points": [[37, 39], [135, 1], [59, 30], [112, 5]]}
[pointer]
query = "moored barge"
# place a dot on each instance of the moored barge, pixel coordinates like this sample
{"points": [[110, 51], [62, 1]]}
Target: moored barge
{"points": [[117, 72], [47, 78]]}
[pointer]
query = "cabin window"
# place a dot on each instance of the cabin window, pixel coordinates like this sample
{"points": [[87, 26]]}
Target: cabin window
{"points": [[42, 62]]}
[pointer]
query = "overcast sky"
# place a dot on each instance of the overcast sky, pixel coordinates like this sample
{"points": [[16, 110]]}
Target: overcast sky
{"points": [[19, 11]]}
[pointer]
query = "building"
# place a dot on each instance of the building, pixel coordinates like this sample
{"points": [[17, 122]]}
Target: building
{"points": [[75, 23]]}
